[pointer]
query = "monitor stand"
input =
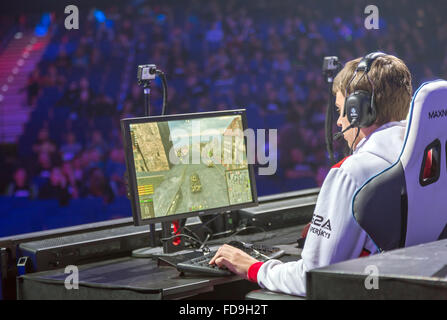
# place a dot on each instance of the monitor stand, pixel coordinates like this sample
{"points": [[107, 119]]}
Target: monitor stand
{"points": [[167, 250]]}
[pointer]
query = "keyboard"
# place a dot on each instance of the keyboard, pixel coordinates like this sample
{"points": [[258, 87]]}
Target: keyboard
{"points": [[200, 265]]}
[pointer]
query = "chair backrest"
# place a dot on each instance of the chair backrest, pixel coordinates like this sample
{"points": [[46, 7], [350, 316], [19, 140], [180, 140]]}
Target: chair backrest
{"points": [[406, 204]]}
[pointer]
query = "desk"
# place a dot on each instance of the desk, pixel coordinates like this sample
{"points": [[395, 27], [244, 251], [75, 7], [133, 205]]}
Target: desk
{"points": [[136, 278], [126, 278], [418, 272]]}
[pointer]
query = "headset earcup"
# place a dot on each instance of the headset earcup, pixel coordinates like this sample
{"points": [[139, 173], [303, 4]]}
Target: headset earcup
{"points": [[368, 113], [353, 105], [358, 107]]}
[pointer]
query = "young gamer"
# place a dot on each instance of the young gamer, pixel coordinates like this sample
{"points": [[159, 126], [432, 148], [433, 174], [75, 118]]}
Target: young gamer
{"points": [[373, 96]]}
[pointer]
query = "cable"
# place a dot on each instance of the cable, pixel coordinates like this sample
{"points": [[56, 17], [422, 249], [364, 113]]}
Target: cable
{"points": [[328, 127], [193, 233], [201, 226], [363, 75], [351, 150], [247, 228], [204, 225], [165, 90], [209, 236], [209, 221], [204, 247], [349, 83], [195, 237], [181, 235]]}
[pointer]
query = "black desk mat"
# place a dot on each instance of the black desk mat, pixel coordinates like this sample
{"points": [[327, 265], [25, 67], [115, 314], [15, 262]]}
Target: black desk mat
{"points": [[144, 275], [135, 274]]}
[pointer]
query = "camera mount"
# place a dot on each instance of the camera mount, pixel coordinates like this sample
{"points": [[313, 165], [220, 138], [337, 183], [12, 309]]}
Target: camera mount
{"points": [[145, 74], [331, 66]]}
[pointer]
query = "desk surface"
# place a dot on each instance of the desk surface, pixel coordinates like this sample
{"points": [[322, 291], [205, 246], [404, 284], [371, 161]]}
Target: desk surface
{"points": [[137, 277], [418, 272], [134, 274]]}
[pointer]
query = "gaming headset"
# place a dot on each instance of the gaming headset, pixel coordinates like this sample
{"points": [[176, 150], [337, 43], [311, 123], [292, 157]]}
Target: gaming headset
{"points": [[359, 105]]}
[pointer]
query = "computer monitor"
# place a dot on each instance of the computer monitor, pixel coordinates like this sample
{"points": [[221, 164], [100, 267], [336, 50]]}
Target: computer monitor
{"points": [[187, 165]]}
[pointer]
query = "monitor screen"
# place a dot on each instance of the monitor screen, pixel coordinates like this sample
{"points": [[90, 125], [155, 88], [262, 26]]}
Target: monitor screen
{"points": [[182, 165]]}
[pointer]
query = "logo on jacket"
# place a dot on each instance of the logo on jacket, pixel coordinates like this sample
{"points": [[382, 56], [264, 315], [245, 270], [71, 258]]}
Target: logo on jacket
{"points": [[320, 226]]}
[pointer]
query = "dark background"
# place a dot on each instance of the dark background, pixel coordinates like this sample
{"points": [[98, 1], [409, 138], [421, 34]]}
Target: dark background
{"points": [[67, 165]]}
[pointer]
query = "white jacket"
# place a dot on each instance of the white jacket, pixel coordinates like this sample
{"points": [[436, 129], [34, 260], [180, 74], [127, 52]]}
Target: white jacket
{"points": [[334, 235]]}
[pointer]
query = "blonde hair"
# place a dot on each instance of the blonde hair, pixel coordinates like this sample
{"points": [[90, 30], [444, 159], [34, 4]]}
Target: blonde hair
{"points": [[392, 86]]}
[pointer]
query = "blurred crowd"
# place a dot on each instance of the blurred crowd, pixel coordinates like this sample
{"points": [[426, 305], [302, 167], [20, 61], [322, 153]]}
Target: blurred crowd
{"points": [[71, 170], [265, 56]]}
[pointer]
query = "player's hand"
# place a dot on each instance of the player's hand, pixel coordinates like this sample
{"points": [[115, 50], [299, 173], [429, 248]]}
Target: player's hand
{"points": [[234, 259]]}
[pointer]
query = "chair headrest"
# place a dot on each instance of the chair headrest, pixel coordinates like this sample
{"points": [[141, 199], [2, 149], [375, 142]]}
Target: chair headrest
{"points": [[427, 120]]}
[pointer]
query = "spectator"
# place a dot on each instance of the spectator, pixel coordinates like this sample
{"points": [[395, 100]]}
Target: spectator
{"points": [[77, 168], [71, 147], [115, 170], [97, 143], [33, 87], [71, 97], [98, 185], [300, 168], [85, 97], [43, 169], [243, 96], [56, 187], [22, 187], [214, 36], [282, 63], [102, 105], [73, 183], [44, 144], [128, 110]]}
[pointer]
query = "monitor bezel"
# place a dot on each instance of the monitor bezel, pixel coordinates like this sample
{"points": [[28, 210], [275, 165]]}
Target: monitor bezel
{"points": [[130, 166]]}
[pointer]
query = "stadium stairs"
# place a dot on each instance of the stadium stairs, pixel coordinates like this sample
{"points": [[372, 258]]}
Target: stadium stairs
{"points": [[17, 61]]}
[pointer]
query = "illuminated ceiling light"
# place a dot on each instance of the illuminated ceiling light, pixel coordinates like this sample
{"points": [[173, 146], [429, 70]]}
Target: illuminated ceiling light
{"points": [[18, 35], [20, 62], [5, 88]]}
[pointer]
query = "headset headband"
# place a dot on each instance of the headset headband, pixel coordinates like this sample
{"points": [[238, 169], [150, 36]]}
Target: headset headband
{"points": [[365, 64]]}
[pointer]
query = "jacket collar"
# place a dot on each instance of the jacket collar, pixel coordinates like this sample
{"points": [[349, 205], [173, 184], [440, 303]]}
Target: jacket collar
{"points": [[380, 140]]}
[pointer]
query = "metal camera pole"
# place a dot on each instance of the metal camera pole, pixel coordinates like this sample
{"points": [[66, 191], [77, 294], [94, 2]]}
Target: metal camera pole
{"points": [[145, 74], [147, 113], [147, 100], [331, 66]]}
